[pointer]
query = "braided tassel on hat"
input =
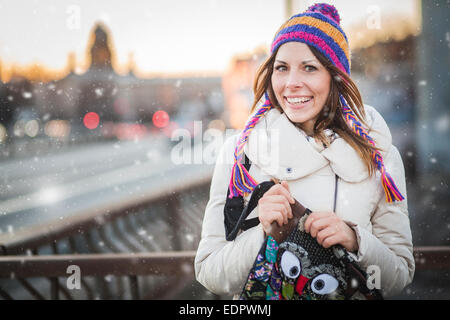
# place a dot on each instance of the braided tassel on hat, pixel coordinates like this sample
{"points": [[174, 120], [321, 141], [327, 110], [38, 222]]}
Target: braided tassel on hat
{"points": [[241, 181], [390, 189]]}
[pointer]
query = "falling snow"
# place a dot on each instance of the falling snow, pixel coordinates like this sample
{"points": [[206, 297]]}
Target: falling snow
{"points": [[97, 165], [27, 95], [422, 83], [189, 237], [99, 92]]}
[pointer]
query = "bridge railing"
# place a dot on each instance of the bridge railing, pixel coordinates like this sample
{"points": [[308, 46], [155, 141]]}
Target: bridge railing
{"points": [[138, 246]]}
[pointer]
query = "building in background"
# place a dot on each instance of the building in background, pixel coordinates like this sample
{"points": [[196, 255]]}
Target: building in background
{"points": [[115, 98]]}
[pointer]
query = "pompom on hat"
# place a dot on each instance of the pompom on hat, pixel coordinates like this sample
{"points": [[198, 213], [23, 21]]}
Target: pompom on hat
{"points": [[319, 27]]}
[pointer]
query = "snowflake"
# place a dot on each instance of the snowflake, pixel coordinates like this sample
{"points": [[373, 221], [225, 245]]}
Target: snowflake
{"points": [[99, 92], [422, 83], [189, 237], [27, 95]]}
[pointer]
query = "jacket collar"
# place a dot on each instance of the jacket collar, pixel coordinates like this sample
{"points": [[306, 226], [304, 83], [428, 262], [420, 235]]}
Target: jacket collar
{"points": [[283, 151]]}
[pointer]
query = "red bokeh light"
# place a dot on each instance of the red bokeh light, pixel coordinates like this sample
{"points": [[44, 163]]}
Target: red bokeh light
{"points": [[160, 119], [91, 120]]}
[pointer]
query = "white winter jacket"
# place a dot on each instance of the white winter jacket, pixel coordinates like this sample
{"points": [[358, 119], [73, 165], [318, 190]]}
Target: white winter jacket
{"points": [[279, 149]]}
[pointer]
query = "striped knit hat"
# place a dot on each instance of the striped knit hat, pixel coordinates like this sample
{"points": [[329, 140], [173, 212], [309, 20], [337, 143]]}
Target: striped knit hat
{"points": [[318, 27]]}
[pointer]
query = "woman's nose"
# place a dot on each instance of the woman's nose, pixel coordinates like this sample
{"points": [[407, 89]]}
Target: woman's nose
{"points": [[295, 80]]}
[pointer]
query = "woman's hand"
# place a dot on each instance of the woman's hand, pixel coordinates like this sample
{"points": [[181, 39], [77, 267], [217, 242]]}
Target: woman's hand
{"points": [[329, 230], [275, 206]]}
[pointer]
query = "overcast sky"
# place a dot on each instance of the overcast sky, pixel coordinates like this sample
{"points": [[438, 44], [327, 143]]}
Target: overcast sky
{"points": [[164, 35]]}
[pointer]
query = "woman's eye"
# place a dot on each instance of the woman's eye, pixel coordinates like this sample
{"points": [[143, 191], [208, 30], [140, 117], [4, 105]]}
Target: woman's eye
{"points": [[324, 284], [310, 68], [290, 265], [280, 68]]}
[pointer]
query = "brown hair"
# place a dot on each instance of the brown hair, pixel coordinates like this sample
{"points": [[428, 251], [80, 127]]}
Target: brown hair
{"points": [[331, 116]]}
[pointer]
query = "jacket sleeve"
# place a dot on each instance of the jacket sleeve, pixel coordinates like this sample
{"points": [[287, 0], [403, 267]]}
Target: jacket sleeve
{"points": [[223, 266], [388, 245]]}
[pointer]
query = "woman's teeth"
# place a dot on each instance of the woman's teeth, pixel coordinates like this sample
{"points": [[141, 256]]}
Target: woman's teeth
{"points": [[298, 100]]}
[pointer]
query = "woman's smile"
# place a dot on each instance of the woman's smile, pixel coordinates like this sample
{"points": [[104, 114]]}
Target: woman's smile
{"points": [[296, 102]]}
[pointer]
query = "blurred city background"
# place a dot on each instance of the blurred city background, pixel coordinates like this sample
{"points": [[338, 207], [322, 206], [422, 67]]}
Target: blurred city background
{"points": [[93, 97]]}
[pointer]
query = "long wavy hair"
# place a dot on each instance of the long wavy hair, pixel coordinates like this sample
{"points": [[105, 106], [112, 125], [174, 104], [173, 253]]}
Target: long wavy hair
{"points": [[331, 116]]}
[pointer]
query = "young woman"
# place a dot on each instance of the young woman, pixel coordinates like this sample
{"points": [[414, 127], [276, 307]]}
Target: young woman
{"points": [[332, 153]]}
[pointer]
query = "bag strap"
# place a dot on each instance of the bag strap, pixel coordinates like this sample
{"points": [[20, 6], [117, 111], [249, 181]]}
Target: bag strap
{"points": [[233, 207], [235, 213], [240, 221]]}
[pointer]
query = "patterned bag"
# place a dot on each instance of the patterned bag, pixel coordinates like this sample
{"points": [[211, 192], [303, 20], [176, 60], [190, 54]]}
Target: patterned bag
{"points": [[292, 265]]}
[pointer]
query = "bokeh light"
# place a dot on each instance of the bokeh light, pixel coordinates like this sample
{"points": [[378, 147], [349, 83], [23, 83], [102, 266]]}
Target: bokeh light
{"points": [[160, 119], [32, 128], [50, 195], [91, 120], [57, 128]]}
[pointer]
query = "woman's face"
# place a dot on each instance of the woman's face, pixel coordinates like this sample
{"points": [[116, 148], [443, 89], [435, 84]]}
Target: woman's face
{"points": [[301, 84]]}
